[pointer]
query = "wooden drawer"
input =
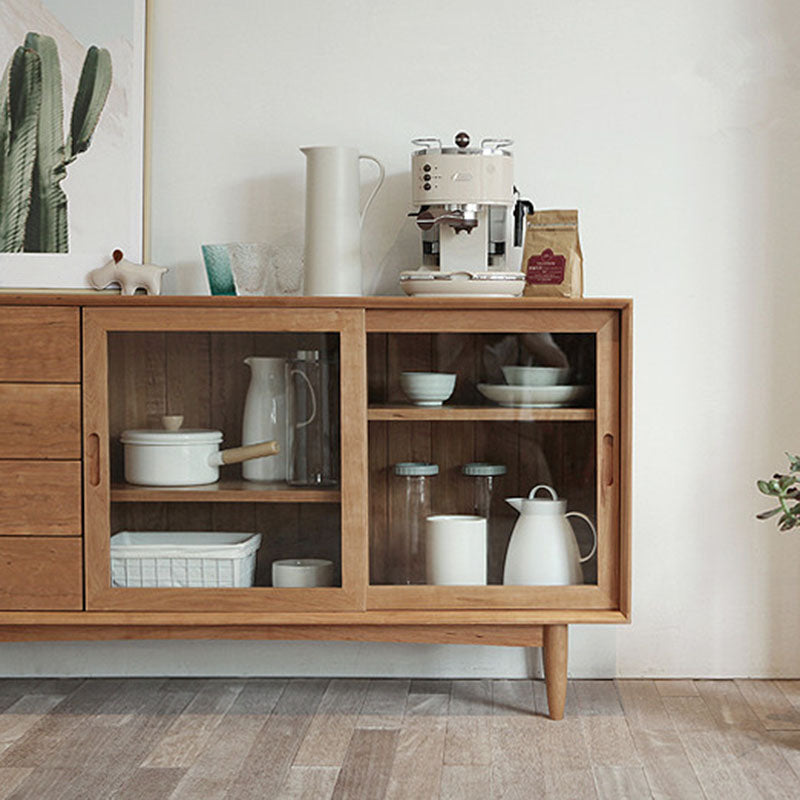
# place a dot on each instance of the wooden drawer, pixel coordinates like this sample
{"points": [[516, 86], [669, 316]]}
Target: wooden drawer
{"points": [[40, 420], [40, 345], [42, 574], [40, 498]]}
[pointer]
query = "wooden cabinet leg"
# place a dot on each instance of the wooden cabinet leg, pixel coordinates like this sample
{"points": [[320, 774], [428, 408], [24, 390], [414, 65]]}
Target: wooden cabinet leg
{"points": [[555, 668]]}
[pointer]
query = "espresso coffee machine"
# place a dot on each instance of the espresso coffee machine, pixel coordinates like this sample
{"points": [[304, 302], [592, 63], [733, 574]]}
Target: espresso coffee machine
{"points": [[471, 218]]}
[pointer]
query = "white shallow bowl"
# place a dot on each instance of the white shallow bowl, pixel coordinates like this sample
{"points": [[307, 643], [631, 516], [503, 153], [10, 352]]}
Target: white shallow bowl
{"points": [[536, 376], [427, 388], [533, 396]]}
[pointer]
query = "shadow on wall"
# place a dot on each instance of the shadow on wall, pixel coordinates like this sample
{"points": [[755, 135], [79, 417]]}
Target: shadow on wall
{"points": [[274, 202], [390, 238], [388, 230], [780, 129]]}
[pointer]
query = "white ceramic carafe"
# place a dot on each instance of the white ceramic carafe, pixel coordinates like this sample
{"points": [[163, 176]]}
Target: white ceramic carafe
{"points": [[543, 550], [333, 220], [265, 416]]}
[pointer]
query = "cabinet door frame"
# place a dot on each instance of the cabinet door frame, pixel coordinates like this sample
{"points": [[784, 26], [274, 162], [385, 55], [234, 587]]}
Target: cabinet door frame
{"points": [[611, 444], [349, 325]]}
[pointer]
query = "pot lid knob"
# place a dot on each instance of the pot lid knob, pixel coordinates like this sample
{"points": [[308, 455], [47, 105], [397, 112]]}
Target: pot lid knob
{"points": [[172, 422]]}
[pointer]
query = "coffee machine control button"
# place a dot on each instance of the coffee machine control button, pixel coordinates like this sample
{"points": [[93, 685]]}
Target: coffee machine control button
{"points": [[426, 187], [427, 168]]}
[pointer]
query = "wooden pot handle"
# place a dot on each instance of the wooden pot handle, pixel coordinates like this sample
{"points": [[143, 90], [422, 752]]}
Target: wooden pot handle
{"points": [[237, 454]]}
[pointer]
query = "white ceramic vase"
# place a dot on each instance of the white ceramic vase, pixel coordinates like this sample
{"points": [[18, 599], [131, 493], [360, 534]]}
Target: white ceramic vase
{"points": [[333, 219]]}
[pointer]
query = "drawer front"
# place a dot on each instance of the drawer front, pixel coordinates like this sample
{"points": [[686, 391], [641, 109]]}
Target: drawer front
{"points": [[40, 345], [40, 574], [40, 420], [40, 498]]}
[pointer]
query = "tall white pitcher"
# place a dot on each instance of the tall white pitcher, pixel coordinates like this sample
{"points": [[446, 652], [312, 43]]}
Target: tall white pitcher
{"points": [[265, 415], [333, 221]]}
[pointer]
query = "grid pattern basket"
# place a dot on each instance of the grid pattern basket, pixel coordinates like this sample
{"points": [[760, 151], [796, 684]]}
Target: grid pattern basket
{"points": [[145, 559]]}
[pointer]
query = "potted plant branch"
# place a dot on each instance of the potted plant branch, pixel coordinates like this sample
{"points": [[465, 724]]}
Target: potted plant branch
{"points": [[785, 488]]}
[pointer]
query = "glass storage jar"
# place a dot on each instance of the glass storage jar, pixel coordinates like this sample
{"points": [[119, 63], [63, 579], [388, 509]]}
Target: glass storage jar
{"points": [[483, 477], [410, 505]]}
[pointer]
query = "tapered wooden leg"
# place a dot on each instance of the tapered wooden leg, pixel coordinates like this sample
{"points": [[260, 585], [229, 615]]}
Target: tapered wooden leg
{"points": [[555, 668]]}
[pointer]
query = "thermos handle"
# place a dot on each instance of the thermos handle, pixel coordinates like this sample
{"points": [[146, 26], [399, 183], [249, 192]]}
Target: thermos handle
{"points": [[381, 176], [550, 489], [313, 398], [594, 532]]}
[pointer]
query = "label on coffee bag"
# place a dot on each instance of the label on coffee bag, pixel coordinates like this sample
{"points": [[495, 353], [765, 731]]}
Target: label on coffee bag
{"points": [[552, 260], [546, 267]]}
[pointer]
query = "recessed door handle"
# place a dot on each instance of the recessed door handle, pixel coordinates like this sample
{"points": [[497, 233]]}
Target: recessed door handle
{"points": [[608, 460], [93, 459]]}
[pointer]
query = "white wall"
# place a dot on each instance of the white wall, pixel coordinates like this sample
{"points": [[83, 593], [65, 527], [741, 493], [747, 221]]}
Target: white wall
{"points": [[673, 127]]}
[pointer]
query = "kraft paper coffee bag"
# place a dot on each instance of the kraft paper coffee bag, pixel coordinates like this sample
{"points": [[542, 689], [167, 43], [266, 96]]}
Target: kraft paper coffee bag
{"points": [[552, 260]]}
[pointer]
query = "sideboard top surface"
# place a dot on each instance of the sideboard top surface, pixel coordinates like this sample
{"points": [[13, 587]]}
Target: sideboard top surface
{"points": [[107, 300]]}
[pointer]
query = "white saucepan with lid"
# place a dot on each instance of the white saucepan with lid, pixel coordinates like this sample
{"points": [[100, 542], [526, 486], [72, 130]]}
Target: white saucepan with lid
{"points": [[182, 457]]}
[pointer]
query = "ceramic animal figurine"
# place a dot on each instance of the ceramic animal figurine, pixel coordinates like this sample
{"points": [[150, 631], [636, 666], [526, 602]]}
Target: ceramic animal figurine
{"points": [[127, 275]]}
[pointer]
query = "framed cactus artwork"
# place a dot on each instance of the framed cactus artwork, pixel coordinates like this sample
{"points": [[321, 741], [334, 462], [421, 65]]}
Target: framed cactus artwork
{"points": [[71, 138]]}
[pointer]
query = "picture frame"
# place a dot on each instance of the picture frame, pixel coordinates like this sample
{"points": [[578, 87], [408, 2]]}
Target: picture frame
{"points": [[89, 48]]}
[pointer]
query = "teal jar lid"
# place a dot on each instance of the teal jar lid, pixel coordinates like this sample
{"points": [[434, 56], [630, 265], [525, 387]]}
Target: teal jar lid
{"points": [[482, 469], [410, 468]]}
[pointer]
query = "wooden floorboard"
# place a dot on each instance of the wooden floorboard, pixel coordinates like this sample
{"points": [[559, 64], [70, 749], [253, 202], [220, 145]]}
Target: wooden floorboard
{"points": [[343, 739]]}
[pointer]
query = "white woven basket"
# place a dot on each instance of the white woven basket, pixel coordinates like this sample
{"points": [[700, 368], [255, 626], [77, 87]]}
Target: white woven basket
{"points": [[183, 559]]}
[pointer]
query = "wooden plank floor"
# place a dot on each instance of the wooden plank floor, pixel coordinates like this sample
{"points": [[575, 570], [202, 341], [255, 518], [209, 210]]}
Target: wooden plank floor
{"points": [[341, 739]]}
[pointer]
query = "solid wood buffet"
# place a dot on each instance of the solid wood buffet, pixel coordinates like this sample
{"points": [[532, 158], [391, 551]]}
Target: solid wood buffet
{"points": [[77, 370]]}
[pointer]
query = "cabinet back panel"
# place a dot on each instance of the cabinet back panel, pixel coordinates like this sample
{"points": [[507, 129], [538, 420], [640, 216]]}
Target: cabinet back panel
{"points": [[288, 530], [201, 376], [558, 454]]}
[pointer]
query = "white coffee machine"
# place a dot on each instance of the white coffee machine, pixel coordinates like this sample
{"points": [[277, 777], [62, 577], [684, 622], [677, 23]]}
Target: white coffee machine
{"points": [[471, 218]]}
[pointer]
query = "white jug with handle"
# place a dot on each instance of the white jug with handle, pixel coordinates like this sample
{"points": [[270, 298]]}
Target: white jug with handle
{"points": [[265, 416], [543, 550], [333, 221]]}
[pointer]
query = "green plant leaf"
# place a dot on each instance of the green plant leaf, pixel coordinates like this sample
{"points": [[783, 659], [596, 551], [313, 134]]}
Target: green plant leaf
{"points": [[47, 230], [93, 88], [765, 488], [785, 481], [22, 98], [767, 514]]}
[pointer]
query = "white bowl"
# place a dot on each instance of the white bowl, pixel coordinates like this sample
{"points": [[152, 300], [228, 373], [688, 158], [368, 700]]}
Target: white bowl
{"points": [[533, 396], [536, 376], [427, 388]]}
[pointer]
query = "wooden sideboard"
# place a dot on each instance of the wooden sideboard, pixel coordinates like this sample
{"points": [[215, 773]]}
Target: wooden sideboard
{"points": [[77, 370]]}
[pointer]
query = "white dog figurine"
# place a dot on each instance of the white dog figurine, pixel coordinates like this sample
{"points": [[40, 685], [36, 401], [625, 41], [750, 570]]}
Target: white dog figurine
{"points": [[127, 275]]}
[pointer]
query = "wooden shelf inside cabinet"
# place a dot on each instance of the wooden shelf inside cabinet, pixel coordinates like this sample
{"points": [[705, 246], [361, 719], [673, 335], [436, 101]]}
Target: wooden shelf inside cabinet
{"points": [[479, 414], [228, 491]]}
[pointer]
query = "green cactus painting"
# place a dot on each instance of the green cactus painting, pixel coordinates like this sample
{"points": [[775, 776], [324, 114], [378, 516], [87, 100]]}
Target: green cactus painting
{"points": [[34, 155]]}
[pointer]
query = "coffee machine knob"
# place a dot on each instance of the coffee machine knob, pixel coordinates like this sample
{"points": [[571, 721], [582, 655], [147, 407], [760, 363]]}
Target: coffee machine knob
{"points": [[462, 139]]}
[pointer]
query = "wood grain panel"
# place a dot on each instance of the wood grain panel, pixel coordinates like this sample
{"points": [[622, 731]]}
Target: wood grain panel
{"points": [[607, 449], [449, 412], [40, 345], [468, 321], [225, 491], [40, 573], [40, 420], [30, 492], [118, 302]]}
